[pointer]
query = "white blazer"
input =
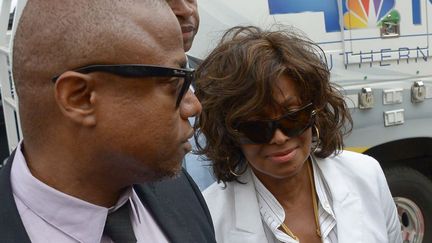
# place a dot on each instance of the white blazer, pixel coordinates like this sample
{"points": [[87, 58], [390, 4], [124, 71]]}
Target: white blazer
{"points": [[362, 203]]}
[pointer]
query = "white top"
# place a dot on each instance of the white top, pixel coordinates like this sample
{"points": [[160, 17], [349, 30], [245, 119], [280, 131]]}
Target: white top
{"points": [[358, 196], [273, 214], [49, 215]]}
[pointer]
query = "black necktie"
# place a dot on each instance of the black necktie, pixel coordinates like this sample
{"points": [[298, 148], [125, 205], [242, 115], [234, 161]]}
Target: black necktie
{"points": [[118, 225]]}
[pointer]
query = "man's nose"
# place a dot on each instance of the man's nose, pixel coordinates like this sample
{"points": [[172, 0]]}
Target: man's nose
{"points": [[182, 8], [190, 105]]}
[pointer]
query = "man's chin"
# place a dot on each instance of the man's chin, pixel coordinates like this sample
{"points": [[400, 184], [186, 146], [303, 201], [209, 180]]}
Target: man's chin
{"points": [[167, 173], [159, 171], [187, 44]]}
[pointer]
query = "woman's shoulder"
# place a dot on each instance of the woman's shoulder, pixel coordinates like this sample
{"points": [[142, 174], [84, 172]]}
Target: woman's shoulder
{"points": [[220, 200], [351, 156], [353, 169], [218, 194], [354, 162], [220, 190], [214, 190], [221, 194]]}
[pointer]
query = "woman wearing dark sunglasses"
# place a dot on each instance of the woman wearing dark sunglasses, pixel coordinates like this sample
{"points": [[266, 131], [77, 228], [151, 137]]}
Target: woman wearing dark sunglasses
{"points": [[274, 126]]}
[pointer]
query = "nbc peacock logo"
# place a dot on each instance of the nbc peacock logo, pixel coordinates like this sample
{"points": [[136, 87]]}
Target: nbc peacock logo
{"points": [[361, 14]]}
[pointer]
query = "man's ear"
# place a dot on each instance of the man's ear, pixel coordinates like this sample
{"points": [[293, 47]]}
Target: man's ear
{"points": [[74, 94]]}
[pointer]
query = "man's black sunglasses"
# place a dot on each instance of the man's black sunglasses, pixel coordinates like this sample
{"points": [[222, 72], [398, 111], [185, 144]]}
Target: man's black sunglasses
{"points": [[141, 70], [292, 124]]}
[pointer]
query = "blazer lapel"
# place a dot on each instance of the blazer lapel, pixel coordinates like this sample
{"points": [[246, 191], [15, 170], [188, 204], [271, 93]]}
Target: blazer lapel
{"points": [[249, 226], [346, 204], [11, 227]]}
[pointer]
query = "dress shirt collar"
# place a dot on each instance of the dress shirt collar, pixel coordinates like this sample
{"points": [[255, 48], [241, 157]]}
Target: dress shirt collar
{"points": [[187, 62], [191, 87], [79, 219], [273, 214]]}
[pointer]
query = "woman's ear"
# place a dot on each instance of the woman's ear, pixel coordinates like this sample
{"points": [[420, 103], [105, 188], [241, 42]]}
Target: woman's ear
{"points": [[75, 96]]}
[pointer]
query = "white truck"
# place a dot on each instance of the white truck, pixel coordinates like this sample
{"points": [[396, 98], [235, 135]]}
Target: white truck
{"points": [[379, 53]]}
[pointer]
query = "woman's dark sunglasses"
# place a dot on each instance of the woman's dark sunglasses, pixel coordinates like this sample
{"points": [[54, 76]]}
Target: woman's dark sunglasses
{"points": [[140, 70], [291, 124]]}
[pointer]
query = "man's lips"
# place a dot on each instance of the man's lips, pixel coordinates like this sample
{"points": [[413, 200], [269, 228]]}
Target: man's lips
{"points": [[186, 143], [187, 146], [190, 135], [187, 28]]}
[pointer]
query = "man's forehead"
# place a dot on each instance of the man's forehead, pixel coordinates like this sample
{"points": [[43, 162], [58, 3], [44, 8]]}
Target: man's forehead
{"points": [[156, 36], [164, 50], [146, 37]]}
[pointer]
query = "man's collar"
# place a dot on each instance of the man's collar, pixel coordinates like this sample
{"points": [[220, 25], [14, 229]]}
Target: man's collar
{"points": [[11, 226], [63, 211]]}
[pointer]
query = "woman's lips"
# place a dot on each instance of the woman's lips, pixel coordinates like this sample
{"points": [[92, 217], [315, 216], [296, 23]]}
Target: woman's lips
{"points": [[282, 157]]}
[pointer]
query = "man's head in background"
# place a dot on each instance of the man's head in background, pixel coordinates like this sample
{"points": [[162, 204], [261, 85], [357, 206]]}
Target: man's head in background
{"points": [[186, 12]]}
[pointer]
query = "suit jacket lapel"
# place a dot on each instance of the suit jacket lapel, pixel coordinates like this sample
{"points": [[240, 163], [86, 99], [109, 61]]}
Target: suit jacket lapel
{"points": [[346, 204], [11, 227], [159, 211], [180, 219]]}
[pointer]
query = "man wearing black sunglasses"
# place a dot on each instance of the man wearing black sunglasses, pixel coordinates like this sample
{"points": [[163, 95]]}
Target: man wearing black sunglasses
{"points": [[104, 106]]}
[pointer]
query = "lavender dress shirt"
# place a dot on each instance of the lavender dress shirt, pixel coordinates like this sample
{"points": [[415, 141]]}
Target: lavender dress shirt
{"points": [[49, 215]]}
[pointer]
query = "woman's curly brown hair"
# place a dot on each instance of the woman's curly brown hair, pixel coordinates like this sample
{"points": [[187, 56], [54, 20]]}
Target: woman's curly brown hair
{"points": [[237, 79]]}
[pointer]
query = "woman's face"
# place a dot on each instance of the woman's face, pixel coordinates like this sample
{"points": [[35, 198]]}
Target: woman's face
{"points": [[283, 157]]}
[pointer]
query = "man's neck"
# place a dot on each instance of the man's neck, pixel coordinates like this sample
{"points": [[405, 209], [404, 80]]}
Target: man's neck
{"points": [[73, 177]]}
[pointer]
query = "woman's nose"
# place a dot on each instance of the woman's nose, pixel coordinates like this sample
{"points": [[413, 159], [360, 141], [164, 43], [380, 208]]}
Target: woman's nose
{"points": [[279, 137]]}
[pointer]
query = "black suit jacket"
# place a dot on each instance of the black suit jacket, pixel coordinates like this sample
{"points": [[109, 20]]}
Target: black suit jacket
{"points": [[176, 205]]}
